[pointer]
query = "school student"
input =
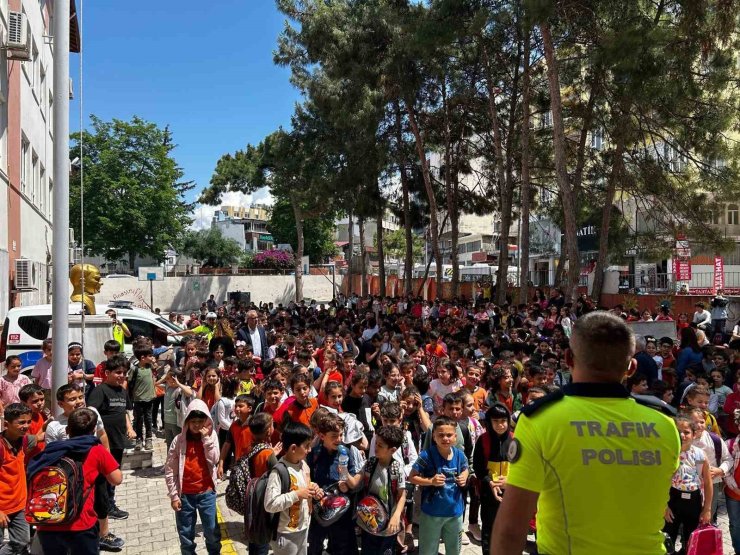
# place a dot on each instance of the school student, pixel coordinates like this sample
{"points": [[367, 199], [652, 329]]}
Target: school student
{"points": [[191, 476], [13, 479], [81, 536], [293, 505], [442, 472]]}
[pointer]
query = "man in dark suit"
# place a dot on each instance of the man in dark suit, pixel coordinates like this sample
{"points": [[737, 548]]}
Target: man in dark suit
{"points": [[254, 335]]}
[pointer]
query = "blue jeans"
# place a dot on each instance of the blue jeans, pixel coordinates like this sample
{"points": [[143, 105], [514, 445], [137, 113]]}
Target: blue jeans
{"points": [[733, 513], [203, 504]]}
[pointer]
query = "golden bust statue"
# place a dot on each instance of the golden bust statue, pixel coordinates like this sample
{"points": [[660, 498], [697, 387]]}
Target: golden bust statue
{"points": [[92, 285]]}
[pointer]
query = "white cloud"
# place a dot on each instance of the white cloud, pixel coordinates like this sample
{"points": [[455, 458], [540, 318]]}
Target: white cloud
{"points": [[203, 214]]}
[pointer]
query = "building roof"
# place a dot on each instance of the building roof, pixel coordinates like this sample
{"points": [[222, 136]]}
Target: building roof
{"points": [[75, 41]]}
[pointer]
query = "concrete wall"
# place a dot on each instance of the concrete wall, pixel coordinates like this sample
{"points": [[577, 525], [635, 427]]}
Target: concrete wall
{"points": [[186, 293]]}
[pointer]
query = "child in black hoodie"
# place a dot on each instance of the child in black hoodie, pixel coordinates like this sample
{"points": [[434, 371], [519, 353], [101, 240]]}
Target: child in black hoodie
{"points": [[491, 467]]}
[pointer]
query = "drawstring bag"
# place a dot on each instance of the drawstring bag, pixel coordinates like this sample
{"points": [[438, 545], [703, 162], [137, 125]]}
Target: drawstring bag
{"points": [[331, 507]]}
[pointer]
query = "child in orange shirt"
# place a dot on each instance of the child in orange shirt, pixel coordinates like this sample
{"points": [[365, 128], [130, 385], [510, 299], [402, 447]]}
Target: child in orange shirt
{"points": [[472, 381], [32, 396], [13, 476], [191, 476], [240, 436], [262, 458]]}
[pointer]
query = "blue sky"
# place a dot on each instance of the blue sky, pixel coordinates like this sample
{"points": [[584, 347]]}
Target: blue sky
{"points": [[204, 68]]}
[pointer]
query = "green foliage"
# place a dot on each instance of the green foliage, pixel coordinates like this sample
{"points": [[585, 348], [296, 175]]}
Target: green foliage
{"points": [[134, 199], [318, 233], [394, 243], [211, 248]]}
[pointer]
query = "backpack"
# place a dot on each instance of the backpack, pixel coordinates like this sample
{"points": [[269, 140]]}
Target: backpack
{"points": [[241, 476], [261, 526], [372, 514], [717, 444], [56, 493]]}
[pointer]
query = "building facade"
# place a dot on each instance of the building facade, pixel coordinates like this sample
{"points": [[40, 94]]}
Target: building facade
{"points": [[247, 225], [26, 149]]}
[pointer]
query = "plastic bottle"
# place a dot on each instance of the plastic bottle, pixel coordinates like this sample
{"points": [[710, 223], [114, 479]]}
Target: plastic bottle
{"points": [[342, 462]]}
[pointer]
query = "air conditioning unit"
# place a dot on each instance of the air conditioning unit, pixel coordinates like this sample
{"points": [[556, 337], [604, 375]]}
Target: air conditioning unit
{"points": [[17, 32], [25, 274]]}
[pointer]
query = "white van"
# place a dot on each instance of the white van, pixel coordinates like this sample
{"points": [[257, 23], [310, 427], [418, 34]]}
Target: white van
{"points": [[27, 326]]}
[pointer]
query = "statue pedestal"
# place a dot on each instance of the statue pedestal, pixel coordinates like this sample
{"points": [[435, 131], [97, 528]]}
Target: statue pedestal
{"points": [[98, 330]]}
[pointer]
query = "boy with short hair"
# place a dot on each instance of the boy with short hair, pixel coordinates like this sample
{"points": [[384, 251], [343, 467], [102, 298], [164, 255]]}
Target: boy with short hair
{"points": [[323, 462], [260, 427], [472, 385], [32, 396], [293, 505], [110, 349], [698, 397], [142, 391], [384, 477], [13, 479], [442, 470], [301, 406], [245, 372], [70, 397], [80, 536], [111, 401], [41, 372], [240, 436]]}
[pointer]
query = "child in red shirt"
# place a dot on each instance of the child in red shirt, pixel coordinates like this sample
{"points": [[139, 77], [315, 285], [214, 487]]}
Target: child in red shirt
{"points": [[32, 396]]}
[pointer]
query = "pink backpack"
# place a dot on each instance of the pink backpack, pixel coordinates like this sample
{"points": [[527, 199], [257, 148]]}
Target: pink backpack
{"points": [[705, 540]]}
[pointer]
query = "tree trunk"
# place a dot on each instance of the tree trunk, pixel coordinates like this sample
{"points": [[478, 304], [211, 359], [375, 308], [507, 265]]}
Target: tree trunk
{"points": [[132, 262], [429, 263], [381, 251], [558, 279], [363, 261], [298, 213], [421, 151], [351, 250], [505, 193], [525, 191], [606, 213], [408, 261], [451, 201], [561, 165]]}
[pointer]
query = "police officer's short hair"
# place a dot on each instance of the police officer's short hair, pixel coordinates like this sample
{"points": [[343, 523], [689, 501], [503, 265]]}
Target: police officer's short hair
{"points": [[602, 343]]}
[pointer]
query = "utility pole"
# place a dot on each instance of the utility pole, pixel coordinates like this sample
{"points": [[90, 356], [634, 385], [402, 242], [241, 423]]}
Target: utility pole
{"points": [[60, 236]]}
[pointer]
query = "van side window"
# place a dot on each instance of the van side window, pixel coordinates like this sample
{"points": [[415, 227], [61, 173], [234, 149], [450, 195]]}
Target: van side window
{"points": [[35, 326], [137, 328]]}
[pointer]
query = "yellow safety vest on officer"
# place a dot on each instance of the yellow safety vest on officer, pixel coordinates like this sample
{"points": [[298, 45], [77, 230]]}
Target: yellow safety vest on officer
{"points": [[601, 463]]}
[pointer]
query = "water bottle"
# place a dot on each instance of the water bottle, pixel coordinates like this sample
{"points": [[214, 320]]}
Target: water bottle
{"points": [[342, 461]]}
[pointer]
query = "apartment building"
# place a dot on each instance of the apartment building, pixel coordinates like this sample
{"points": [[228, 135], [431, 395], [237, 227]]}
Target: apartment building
{"points": [[247, 225], [26, 148]]}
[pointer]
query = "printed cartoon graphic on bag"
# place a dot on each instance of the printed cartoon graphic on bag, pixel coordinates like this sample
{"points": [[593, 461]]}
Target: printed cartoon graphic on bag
{"points": [[56, 493], [373, 515], [332, 506], [241, 475]]}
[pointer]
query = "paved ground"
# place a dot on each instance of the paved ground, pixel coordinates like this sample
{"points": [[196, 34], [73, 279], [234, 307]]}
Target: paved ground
{"points": [[151, 527]]}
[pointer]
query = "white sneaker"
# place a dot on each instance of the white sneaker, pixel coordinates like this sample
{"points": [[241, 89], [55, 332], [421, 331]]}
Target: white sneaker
{"points": [[465, 539], [474, 530]]}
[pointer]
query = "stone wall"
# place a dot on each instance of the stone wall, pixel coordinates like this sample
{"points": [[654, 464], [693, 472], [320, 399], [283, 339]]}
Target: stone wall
{"points": [[186, 293]]}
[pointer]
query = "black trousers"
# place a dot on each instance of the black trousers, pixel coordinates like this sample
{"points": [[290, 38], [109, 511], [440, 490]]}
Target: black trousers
{"points": [[489, 509], [685, 511], [118, 455], [341, 534], [84, 542], [143, 419]]}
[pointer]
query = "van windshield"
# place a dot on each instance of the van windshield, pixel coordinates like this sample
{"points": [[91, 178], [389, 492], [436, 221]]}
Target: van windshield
{"points": [[167, 324]]}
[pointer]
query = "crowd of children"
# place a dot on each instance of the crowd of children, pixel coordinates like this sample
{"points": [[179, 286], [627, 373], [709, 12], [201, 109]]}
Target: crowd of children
{"points": [[376, 424]]}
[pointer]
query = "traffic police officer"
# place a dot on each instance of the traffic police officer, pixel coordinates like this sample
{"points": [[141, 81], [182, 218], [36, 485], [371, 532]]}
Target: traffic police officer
{"points": [[594, 465]]}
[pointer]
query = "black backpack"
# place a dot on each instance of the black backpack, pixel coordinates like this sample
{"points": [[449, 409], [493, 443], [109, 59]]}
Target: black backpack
{"points": [[260, 526]]}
